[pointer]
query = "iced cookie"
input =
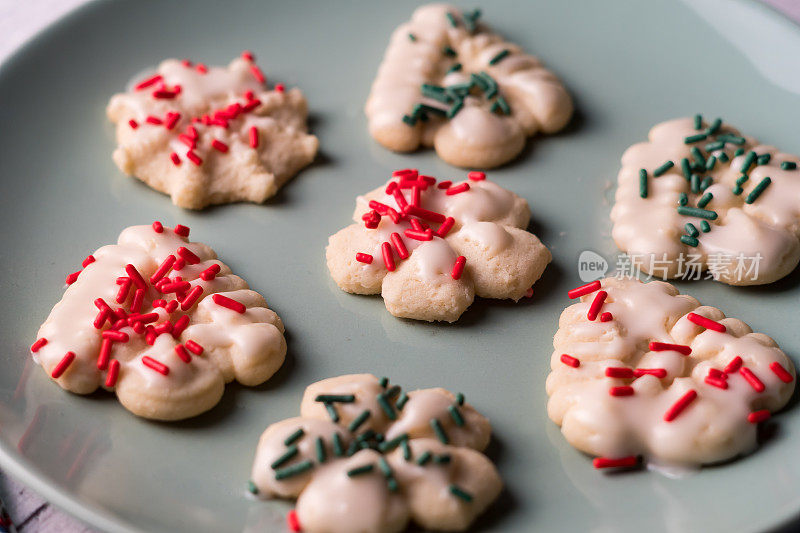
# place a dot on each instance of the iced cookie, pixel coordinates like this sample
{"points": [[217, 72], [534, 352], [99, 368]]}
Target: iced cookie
{"points": [[429, 248], [211, 135], [699, 196], [643, 373], [161, 322], [365, 456], [446, 81]]}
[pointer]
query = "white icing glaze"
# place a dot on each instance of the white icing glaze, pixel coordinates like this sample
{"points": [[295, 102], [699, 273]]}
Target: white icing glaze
{"points": [[248, 347], [331, 501], [652, 227], [537, 99], [714, 427]]}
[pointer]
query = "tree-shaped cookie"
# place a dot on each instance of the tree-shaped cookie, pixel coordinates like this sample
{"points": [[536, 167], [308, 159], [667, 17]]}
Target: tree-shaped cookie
{"points": [[640, 371], [366, 456], [211, 135], [446, 81], [161, 322], [699, 196], [428, 248]]}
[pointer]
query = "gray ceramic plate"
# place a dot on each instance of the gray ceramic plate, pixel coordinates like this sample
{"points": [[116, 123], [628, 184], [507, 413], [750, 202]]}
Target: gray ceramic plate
{"points": [[629, 65]]}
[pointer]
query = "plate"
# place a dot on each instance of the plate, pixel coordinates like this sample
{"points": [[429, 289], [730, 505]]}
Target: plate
{"points": [[629, 65]]}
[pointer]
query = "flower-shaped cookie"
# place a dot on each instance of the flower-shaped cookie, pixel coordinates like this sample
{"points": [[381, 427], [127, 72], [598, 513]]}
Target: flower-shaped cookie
{"points": [[700, 196], [429, 248], [446, 81], [641, 370], [163, 323], [211, 135], [366, 456]]}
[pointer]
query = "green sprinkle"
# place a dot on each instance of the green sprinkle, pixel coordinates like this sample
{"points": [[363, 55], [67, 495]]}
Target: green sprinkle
{"points": [[707, 197], [691, 229], [439, 430], [695, 183], [689, 241], [287, 455], [424, 458], [503, 105], [737, 190], [412, 37], [364, 469], [499, 57], [425, 108], [390, 445], [411, 121], [738, 152], [788, 165], [384, 381], [749, 159], [763, 159], [385, 468], [660, 171], [454, 109], [715, 126], [455, 414], [741, 180], [392, 483], [452, 19], [714, 146], [393, 391], [697, 212], [449, 52], [321, 455], [406, 450], [697, 137], [366, 436], [442, 459], [479, 81], [291, 439], [343, 398], [353, 448], [687, 171], [492, 90], [642, 183], [683, 199], [332, 412], [710, 162], [401, 402], [251, 487], [731, 138], [338, 445], [379, 437], [387, 407], [294, 470], [698, 156], [460, 493], [756, 192], [706, 183], [723, 157], [705, 226], [495, 108], [460, 398], [435, 92], [455, 68], [697, 167], [698, 121], [357, 421]]}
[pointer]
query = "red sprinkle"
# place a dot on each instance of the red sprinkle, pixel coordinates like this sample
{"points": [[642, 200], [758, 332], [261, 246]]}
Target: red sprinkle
{"points": [[229, 303], [458, 267], [171, 306], [118, 336], [476, 175], [444, 184], [425, 235], [665, 347], [456, 189], [163, 269], [758, 416], [716, 382], [158, 227], [219, 146], [100, 319], [124, 288], [399, 245], [179, 264], [734, 365], [133, 124], [258, 74], [446, 226], [657, 372], [136, 278], [181, 230], [597, 304], [143, 319], [72, 278], [253, 137], [210, 273], [717, 374], [248, 55], [183, 354], [280, 87], [781, 372], [191, 298], [176, 159], [201, 68], [416, 196], [364, 258], [158, 366], [621, 391], [606, 317], [62, 365], [88, 261], [36, 346], [425, 214], [138, 300], [181, 324], [194, 158], [623, 462], [678, 407], [188, 255], [164, 327], [619, 372], [388, 258], [577, 292], [194, 347], [752, 379], [144, 84], [150, 335], [105, 352], [113, 372], [154, 120], [707, 323], [529, 294], [172, 119], [568, 360], [191, 142], [292, 522]]}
